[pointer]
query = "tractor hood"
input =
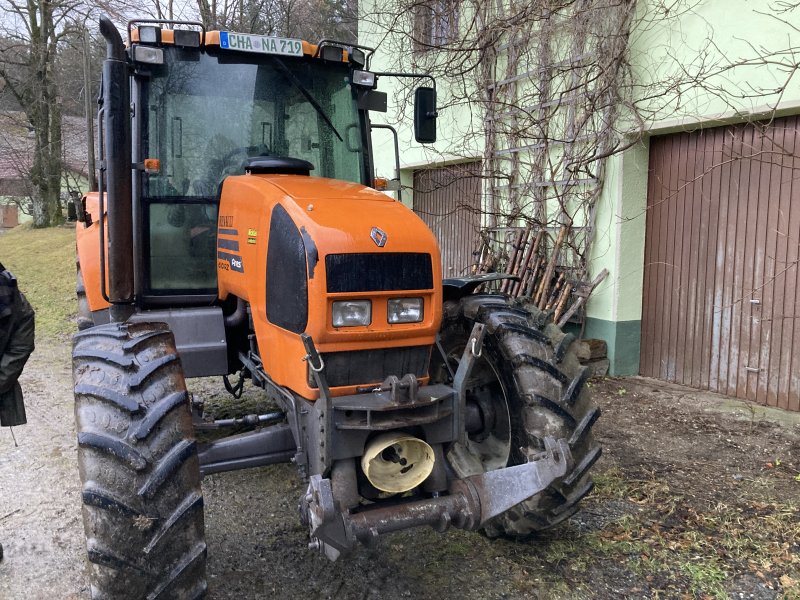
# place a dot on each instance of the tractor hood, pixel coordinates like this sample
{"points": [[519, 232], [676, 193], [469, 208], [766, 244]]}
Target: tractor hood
{"points": [[294, 246], [334, 216], [349, 217]]}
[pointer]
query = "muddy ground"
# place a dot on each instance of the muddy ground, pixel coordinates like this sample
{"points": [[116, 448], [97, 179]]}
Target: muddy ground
{"points": [[697, 497]]}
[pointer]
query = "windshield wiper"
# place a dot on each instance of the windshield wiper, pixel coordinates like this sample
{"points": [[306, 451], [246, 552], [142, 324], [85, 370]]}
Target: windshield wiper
{"points": [[303, 90]]}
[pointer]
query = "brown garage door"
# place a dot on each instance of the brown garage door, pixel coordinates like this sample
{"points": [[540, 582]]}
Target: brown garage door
{"points": [[9, 215], [721, 306], [448, 200]]}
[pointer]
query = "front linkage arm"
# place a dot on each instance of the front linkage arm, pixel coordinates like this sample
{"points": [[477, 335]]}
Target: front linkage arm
{"points": [[469, 503]]}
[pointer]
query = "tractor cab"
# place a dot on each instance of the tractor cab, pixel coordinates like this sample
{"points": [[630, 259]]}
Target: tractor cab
{"points": [[193, 111], [209, 105]]}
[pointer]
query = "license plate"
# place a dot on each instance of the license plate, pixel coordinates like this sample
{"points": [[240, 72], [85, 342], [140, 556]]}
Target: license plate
{"points": [[245, 42]]}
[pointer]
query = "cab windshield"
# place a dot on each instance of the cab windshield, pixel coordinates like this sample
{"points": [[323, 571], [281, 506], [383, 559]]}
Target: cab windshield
{"points": [[205, 114]]}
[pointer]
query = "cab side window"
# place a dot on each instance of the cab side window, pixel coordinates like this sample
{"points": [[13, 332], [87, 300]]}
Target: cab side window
{"points": [[182, 240]]}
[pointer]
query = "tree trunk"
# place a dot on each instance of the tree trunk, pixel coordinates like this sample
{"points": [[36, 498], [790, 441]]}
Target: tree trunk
{"points": [[44, 114], [54, 168]]}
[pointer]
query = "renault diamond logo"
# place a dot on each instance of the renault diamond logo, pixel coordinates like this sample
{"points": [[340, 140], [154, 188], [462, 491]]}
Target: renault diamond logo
{"points": [[379, 237]]}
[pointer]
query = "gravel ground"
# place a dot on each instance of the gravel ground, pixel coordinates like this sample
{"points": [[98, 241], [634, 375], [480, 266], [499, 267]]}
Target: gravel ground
{"points": [[681, 470]]}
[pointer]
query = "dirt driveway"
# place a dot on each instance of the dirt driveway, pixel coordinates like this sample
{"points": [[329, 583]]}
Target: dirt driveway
{"points": [[697, 497]]}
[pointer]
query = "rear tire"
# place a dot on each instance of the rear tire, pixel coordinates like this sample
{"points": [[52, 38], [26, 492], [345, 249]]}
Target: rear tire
{"points": [[529, 385], [142, 502]]}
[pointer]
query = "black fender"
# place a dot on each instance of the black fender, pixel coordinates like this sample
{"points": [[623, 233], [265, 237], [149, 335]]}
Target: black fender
{"points": [[458, 287]]}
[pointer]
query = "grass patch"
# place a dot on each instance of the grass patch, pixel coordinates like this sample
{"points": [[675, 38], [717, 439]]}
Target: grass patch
{"points": [[43, 261], [610, 484], [706, 578], [676, 545]]}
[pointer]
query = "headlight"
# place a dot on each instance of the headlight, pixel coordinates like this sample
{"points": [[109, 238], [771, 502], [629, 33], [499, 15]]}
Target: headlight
{"points": [[351, 313], [405, 310], [144, 54]]}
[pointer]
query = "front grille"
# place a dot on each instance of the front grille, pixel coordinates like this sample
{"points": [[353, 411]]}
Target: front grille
{"points": [[379, 272], [362, 367]]}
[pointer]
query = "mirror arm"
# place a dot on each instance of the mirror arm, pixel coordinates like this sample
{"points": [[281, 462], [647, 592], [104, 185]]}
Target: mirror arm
{"points": [[409, 76], [396, 153]]}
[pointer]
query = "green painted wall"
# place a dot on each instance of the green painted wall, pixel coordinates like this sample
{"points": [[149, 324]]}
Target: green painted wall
{"points": [[670, 42], [720, 42], [619, 241], [459, 136], [623, 339]]}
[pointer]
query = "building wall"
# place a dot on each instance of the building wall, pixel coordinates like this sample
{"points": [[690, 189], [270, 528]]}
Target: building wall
{"points": [[614, 310], [661, 50], [77, 181], [455, 142], [697, 66]]}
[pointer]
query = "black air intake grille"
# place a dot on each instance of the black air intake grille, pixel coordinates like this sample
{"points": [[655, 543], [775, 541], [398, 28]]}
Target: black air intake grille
{"points": [[379, 272], [361, 367]]}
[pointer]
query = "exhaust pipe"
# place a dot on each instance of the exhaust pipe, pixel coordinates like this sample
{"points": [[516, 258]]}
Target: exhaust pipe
{"points": [[397, 462], [116, 114]]}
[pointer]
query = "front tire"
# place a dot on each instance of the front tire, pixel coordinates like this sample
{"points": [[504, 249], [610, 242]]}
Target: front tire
{"points": [[84, 317], [142, 502], [528, 385]]}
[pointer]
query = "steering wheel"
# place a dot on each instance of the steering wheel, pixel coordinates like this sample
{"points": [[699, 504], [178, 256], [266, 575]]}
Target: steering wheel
{"points": [[232, 162]]}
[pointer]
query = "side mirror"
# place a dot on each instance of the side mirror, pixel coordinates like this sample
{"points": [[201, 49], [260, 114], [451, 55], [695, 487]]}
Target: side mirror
{"points": [[425, 115]]}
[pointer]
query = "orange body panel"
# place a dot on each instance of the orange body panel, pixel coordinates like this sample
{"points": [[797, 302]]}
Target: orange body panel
{"points": [[88, 248], [338, 216]]}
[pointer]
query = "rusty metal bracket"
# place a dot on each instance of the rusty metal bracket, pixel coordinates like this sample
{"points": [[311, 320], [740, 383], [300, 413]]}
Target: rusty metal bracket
{"points": [[503, 489], [401, 391], [323, 409], [328, 533], [473, 351], [468, 504]]}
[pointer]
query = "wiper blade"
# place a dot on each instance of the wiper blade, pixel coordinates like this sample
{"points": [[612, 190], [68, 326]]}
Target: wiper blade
{"points": [[303, 90]]}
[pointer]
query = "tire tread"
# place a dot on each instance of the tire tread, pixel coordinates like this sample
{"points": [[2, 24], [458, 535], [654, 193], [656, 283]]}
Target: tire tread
{"points": [[537, 364], [142, 501]]}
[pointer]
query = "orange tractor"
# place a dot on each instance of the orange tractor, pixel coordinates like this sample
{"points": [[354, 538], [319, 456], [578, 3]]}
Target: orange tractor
{"points": [[211, 249]]}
